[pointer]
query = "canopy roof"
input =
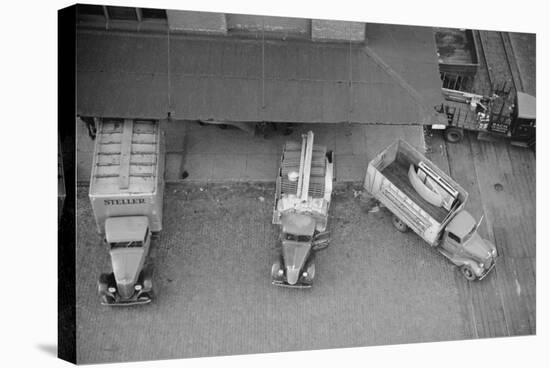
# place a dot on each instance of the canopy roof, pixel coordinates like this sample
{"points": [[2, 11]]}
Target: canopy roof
{"points": [[392, 78]]}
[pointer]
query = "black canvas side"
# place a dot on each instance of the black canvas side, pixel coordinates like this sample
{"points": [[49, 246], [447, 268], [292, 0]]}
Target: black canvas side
{"points": [[66, 271]]}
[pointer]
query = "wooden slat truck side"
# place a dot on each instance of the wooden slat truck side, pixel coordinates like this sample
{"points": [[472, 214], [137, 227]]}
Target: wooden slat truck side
{"points": [[425, 199]]}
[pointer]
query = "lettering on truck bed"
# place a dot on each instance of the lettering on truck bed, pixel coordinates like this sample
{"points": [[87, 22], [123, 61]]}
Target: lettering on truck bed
{"points": [[114, 202]]}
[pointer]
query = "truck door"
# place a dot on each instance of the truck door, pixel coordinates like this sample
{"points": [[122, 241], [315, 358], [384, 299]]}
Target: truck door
{"points": [[451, 242]]}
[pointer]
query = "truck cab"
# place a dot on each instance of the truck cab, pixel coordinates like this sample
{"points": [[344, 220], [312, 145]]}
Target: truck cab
{"points": [[462, 244], [128, 240], [523, 125]]}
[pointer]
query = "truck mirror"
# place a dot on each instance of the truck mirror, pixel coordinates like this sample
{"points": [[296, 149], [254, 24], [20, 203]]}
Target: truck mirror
{"points": [[321, 236], [320, 241], [480, 220]]}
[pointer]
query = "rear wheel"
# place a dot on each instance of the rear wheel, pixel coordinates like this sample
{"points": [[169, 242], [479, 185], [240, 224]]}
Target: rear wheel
{"points": [[468, 273], [454, 135], [399, 225]]}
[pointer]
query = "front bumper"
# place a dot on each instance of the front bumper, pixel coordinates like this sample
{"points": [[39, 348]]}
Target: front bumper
{"points": [[487, 270], [114, 299], [298, 285], [279, 275]]}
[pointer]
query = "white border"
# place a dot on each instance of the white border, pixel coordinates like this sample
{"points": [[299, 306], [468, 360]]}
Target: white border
{"points": [[29, 115]]}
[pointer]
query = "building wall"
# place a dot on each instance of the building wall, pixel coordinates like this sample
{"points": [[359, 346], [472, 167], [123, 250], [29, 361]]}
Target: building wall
{"points": [[200, 22]]}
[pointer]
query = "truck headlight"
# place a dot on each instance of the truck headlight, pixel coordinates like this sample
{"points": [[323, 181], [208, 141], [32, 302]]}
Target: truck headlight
{"points": [[494, 252], [111, 289], [137, 287], [481, 265], [304, 274], [280, 272]]}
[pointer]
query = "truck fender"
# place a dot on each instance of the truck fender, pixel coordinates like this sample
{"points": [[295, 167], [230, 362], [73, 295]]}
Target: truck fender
{"points": [[472, 264]]}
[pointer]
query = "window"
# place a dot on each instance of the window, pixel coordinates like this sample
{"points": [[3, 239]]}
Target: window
{"points": [[454, 237], [131, 244], [146, 235], [122, 13], [470, 233], [148, 13], [297, 238]]}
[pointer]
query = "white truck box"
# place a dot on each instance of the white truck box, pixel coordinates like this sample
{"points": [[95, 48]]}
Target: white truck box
{"points": [[127, 176]]}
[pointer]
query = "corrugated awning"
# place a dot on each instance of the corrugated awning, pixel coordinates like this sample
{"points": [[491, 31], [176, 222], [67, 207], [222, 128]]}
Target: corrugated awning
{"points": [[392, 79]]}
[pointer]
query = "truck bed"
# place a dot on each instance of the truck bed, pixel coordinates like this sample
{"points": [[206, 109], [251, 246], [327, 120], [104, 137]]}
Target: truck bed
{"points": [[127, 158], [291, 162], [397, 173]]}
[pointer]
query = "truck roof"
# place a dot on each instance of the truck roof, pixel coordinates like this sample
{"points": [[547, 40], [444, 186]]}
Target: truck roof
{"points": [[126, 157], [461, 224], [298, 224], [527, 106], [126, 228]]}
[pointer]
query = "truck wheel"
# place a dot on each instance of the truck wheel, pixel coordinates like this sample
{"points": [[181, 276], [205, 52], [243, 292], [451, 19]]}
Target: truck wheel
{"points": [[468, 273], [147, 283], [310, 272], [106, 299], [399, 225], [103, 283], [454, 135], [275, 270]]}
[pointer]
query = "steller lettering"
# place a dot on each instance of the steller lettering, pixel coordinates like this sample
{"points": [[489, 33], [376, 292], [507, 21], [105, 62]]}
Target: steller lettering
{"points": [[118, 202]]}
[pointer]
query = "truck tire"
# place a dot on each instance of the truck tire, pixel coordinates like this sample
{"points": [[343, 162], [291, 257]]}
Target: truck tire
{"points": [[310, 272], [454, 135], [275, 270], [399, 225], [468, 273], [103, 283]]}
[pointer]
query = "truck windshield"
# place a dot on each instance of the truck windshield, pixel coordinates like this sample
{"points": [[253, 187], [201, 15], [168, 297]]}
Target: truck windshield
{"points": [[131, 244], [470, 233], [297, 238]]}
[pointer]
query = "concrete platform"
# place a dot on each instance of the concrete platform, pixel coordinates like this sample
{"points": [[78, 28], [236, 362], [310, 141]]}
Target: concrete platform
{"points": [[212, 155]]}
